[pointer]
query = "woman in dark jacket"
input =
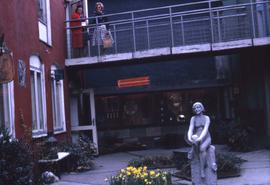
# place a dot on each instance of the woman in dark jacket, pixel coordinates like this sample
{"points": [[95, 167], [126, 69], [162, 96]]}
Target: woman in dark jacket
{"points": [[102, 28]]}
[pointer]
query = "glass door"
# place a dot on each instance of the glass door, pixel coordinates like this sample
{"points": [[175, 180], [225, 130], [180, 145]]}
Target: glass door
{"points": [[83, 117]]}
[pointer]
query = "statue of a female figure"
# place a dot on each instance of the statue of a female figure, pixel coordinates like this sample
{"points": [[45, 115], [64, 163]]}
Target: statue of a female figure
{"points": [[198, 135]]}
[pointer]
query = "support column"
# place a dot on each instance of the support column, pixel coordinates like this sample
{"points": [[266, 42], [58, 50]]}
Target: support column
{"points": [[267, 102]]}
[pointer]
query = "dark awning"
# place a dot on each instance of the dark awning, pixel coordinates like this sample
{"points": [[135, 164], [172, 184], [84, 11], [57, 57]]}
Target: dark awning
{"points": [[165, 75]]}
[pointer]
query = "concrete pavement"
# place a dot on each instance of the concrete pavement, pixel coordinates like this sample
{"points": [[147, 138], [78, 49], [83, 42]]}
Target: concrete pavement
{"points": [[256, 171]]}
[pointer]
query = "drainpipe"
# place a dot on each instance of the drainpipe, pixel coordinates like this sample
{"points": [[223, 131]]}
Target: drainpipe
{"points": [[68, 31]]}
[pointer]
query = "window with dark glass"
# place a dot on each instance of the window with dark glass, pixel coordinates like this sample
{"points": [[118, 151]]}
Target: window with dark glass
{"points": [[42, 12]]}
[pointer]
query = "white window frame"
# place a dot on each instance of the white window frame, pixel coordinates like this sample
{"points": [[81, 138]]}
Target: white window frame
{"points": [[9, 112], [58, 101], [37, 67], [45, 29]]}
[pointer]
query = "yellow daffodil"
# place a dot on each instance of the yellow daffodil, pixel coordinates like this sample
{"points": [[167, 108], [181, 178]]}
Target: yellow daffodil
{"points": [[152, 173], [136, 175]]}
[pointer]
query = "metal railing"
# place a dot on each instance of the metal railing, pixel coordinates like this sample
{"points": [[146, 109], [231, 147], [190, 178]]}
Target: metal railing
{"points": [[174, 26]]}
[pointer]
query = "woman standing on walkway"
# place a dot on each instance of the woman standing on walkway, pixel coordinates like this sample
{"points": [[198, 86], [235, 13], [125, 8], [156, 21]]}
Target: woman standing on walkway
{"points": [[102, 29], [77, 31]]}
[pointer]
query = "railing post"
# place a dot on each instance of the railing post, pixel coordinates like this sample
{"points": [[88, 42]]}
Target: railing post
{"points": [[252, 20], [88, 39], [218, 24], [115, 39], [211, 21], [68, 32], [267, 3], [133, 32], [148, 36], [171, 24], [182, 30], [97, 41]]}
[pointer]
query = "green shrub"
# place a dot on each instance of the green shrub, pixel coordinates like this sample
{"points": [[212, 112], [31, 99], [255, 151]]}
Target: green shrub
{"points": [[228, 165], [15, 161], [239, 138], [153, 162], [238, 135], [81, 154], [136, 162]]}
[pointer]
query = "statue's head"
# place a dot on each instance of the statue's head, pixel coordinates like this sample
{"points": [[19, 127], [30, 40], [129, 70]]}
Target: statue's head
{"points": [[198, 108]]}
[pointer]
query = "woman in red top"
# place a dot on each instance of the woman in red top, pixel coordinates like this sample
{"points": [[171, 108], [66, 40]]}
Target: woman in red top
{"points": [[77, 33]]}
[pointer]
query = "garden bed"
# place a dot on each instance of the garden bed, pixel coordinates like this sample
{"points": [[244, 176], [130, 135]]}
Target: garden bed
{"points": [[228, 166]]}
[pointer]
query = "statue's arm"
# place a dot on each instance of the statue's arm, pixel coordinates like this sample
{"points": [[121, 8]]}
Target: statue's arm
{"points": [[205, 128], [190, 129]]}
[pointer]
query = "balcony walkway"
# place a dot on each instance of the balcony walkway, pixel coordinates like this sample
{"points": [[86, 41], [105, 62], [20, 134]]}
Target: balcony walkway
{"points": [[176, 30]]}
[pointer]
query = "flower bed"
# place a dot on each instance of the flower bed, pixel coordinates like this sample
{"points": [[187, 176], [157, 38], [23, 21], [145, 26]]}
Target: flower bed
{"points": [[140, 176], [228, 166]]}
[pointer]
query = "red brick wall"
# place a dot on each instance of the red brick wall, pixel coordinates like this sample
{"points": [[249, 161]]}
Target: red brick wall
{"points": [[19, 23]]}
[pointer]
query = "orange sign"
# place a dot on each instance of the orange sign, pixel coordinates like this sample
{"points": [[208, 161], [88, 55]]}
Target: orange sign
{"points": [[132, 82]]}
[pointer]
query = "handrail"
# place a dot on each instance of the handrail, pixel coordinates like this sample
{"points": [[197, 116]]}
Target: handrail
{"points": [[157, 8], [180, 26], [162, 16]]}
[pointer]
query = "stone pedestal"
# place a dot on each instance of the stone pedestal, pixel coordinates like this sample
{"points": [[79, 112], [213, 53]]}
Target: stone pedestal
{"points": [[210, 170]]}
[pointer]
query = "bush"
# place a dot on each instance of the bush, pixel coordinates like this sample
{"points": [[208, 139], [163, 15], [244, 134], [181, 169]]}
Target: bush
{"points": [[228, 166], [81, 154], [237, 135], [15, 161], [140, 176], [153, 162]]}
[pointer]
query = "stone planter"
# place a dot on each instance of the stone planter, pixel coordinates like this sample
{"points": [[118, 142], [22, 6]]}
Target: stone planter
{"points": [[55, 165]]}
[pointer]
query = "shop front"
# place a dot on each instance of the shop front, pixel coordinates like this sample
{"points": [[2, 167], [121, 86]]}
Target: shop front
{"points": [[147, 105], [153, 119]]}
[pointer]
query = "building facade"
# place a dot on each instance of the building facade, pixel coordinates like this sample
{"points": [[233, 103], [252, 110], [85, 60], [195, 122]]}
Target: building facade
{"points": [[35, 103], [165, 57]]}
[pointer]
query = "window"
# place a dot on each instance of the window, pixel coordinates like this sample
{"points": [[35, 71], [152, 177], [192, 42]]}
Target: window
{"points": [[59, 122], [7, 107], [42, 11], [38, 97], [44, 23]]}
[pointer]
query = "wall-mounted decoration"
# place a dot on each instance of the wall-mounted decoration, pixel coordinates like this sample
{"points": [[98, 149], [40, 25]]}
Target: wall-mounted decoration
{"points": [[6, 62], [6, 68], [21, 73], [130, 108]]}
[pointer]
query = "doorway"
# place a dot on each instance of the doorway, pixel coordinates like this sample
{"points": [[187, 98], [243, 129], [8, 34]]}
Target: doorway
{"points": [[83, 116]]}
